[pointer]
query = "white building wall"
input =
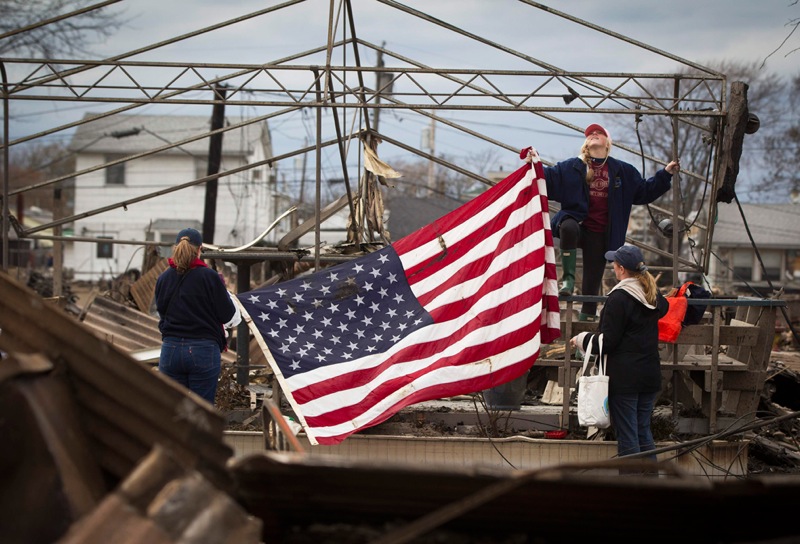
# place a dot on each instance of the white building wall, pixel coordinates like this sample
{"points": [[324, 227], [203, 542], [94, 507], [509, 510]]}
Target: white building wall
{"points": [[244, 208]]}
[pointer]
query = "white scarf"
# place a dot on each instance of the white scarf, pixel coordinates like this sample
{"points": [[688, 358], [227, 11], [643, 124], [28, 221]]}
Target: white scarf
{"points": [[632, 286]]}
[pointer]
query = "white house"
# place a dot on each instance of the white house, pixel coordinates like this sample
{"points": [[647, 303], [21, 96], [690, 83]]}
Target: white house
{"points": [[246, 201], [737, 267]]}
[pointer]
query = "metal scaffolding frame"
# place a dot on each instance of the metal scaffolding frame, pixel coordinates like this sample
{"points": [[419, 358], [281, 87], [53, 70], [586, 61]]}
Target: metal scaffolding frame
{"points": [[698, 101]]}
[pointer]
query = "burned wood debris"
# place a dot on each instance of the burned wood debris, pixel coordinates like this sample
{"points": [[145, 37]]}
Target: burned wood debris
{"points": [[777, 448]]}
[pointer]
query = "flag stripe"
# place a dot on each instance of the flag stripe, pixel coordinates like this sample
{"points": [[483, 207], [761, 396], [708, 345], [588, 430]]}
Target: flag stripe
{"points": [[471, 275], [401, 378]]}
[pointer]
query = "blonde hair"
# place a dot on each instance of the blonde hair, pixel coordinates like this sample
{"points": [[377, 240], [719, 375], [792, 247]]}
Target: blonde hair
{"points": [[587, 159], [648, 283], [184, 254]]}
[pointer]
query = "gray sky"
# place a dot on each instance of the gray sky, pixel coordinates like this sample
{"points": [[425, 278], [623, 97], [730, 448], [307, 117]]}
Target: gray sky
{"points": [[699, 31]]}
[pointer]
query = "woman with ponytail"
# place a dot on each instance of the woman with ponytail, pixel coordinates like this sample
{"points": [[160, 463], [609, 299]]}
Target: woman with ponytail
{"points": [[194, 309], [629, 325], [596, 192]]}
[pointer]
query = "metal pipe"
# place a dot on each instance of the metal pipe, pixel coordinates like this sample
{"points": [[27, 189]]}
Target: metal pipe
{"points": [[6, 223], [57, 18]]}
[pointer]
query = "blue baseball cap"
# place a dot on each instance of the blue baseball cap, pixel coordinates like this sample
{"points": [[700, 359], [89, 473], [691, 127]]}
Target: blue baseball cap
{"points": [[195, 238], [629, 257]]}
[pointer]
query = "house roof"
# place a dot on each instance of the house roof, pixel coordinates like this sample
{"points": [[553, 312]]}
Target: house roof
{"points": [[771, 225], [113, 134], [408, 214]]}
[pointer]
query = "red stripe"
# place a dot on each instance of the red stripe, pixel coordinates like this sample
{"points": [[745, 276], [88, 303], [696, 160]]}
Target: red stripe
{"points": [[514, 271]]}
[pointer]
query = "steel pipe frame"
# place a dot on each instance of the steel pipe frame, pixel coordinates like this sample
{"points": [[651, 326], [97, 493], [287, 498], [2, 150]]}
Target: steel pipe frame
{"points": [[166, 93]]}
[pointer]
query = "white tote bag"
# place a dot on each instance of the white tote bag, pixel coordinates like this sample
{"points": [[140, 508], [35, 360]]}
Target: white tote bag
{"points": [[593, 390]]}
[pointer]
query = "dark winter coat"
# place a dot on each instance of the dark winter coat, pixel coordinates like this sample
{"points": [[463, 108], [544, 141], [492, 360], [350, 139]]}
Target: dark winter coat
{"points": [[566, 183], [630, 342], [194, 306]]}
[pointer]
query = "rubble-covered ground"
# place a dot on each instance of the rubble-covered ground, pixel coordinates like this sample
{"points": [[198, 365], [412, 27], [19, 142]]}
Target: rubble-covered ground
{"points": [[774, 447]]}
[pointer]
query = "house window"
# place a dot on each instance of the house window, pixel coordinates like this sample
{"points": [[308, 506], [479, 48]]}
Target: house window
{"points": [[115, 175], [200, 169], [772, 265], [742, 265], [256, 174], [105, 250], [166, 236]]}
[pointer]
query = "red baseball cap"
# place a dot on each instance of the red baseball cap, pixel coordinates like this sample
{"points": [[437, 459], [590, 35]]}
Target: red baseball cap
{"points": [[591, 128]]}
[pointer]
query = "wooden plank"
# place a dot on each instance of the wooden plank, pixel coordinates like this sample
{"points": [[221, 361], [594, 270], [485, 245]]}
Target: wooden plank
{"points": [[144, 288], [149, 427], [116, 521], [577, 327], [739, 335], [693, 361], [747, 382], [44, 329], [759, 355], [713, 376]]}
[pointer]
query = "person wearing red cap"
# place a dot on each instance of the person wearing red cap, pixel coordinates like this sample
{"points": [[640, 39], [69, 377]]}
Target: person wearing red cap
{"points": [[596, 192]]}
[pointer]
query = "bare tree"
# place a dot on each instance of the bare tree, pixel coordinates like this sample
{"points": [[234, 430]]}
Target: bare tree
{"points": [[792, 25], [781, 178], [69, 36], [696, 145], [34, 163], [447, 183]]}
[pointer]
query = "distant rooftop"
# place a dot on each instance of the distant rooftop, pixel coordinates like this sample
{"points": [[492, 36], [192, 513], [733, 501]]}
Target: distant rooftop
{"points": [[128, 134], [772, 225]]}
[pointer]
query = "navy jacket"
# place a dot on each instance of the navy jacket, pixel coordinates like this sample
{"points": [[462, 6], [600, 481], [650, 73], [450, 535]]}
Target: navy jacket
{"points": [[566, 183], [198, 308], [630, 342]]}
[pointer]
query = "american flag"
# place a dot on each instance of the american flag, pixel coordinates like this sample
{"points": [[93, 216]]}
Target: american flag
{"points": [[459, 306]]}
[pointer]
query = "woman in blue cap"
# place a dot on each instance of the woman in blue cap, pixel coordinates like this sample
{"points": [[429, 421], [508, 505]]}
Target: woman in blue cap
{"points": [[629, 325], [596, 192], [194, 309]]}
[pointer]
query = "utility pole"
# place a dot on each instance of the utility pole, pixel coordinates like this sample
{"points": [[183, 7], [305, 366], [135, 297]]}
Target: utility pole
{"points": [[58, 245], [300, 208], [384, 82], [378, 80], [431, 164], [214, 161]]}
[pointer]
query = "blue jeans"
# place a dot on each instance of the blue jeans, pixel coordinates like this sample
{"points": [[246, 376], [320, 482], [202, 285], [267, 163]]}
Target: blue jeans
{"points": [[192, 362], [630, 416]]}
